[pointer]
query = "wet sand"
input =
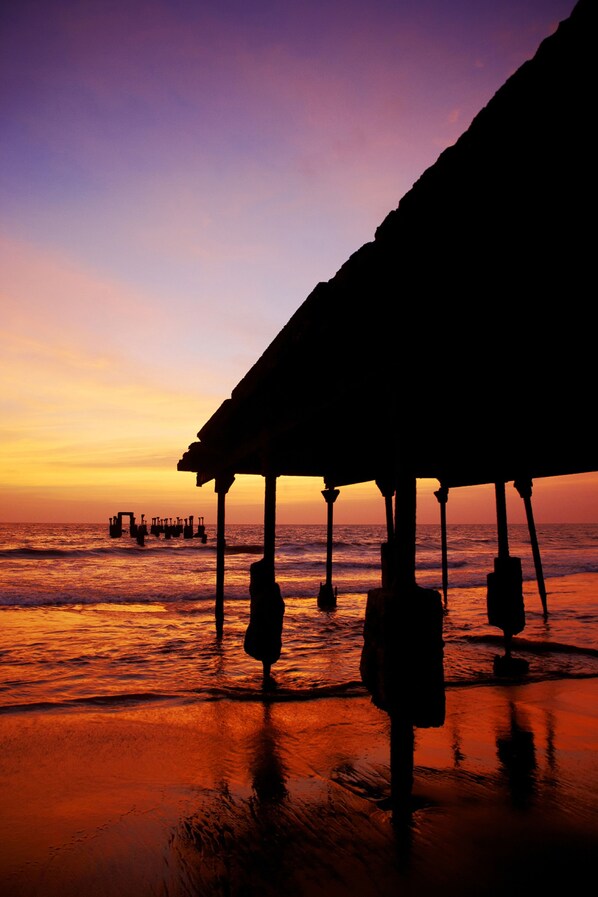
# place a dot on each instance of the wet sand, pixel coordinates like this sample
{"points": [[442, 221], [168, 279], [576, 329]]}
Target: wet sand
{"points": [[284, 797]]}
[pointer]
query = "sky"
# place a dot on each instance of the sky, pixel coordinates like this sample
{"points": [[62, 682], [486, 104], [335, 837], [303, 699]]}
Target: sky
{"points": [[175, 178]]}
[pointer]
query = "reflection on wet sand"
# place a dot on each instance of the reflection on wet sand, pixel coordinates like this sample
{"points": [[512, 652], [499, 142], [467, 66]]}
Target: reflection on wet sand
{"points": [[235, 798], [313, 817], [516, 752]]}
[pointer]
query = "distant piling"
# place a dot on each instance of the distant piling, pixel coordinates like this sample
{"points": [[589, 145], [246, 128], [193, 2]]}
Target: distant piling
{"points": [[169, 527]]}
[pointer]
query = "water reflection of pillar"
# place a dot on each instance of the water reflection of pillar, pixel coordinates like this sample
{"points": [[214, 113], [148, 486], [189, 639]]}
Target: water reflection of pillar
{"points": [[458, 755], [268, 773], [516, 752], [267, 862], [222, 485], [219, 659], [327, 594], [550, 745]]}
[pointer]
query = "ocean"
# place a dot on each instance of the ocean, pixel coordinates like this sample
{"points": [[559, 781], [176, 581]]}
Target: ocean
{"points": [[87, 619]]}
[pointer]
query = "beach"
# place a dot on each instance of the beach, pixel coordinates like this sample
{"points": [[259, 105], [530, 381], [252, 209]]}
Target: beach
{"points": [[139, 756], [277, 796]]}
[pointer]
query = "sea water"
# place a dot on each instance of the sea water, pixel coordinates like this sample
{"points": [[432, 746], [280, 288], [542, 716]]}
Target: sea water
{"points": [[88, 619]]}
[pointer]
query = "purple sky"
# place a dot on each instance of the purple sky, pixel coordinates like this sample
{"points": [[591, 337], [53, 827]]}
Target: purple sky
{"points": [[175, 179]]}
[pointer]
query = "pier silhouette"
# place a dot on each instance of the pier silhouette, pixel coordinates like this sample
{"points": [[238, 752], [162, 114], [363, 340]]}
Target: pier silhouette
{"points": [[436, 351]]}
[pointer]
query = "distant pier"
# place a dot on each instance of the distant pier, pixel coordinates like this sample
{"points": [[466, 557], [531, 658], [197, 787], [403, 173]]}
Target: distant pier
{"points": [[169, 527]]}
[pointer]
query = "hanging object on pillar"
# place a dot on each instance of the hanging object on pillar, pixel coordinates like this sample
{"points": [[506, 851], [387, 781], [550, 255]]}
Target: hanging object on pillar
{"points": [[504, 601], [263, 636], [402, 656], [505, 596]]}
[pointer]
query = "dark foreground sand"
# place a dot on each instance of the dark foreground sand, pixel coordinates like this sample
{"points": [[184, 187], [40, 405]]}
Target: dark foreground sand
{"points": [[233, 798]]}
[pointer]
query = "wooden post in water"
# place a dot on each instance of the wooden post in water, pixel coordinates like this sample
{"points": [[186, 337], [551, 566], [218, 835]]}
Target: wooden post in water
{"points": [[502, 529], [327, 595], [402, 657], [405, 532], [524, 488], [387, 548], [401, 722], [442, 496], [222, 485], [270, 523], [505, 592]]}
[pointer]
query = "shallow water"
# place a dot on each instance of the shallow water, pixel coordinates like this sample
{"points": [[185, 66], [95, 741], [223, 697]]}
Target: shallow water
{"points": [[86, 618]]}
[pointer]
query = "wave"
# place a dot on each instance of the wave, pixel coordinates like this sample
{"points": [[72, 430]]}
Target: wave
{"points": [[533, 647], [52, 599], [244, 549], [209, 693], [110, 551], [91, 701], [251, 693], [293, 588]]}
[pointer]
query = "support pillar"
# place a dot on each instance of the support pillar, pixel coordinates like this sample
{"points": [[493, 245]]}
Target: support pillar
{"points": [[263, 636], [222, 485], [402, 658], [442, 496], [505, 592], [387, 548], [502, 529], [405, 532], [524, 488], [327, 594], [270, 524]]}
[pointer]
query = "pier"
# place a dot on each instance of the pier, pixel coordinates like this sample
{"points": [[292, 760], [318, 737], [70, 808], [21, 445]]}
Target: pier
{"points": [[432, 354], [168, 527]]}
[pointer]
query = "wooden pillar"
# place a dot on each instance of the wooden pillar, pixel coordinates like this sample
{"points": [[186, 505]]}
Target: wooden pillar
{"points": [[505, 591], [524, 488], [327, 596], [387, 548], [222, 485], [388, 490], [402, 657], [501, 520], [401, 725], [405, 530], [442, 496], [270, 524]]}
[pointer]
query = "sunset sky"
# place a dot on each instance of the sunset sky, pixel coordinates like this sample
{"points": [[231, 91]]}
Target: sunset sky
{"points": [[176, 177]]}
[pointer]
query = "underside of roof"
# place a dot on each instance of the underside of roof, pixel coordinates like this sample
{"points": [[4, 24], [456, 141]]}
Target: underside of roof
{"points": [[459, 344]]}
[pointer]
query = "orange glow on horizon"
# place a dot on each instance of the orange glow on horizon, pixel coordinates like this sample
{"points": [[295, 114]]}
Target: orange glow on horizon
{"points": [[86, 494], [142, 277]]}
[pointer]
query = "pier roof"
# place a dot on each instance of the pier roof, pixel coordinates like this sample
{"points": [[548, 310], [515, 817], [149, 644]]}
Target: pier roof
{"points": [[458, 343]]}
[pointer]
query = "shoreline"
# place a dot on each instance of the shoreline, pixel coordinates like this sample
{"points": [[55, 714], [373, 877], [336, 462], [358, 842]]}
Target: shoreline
{"points": [[235, 798]]}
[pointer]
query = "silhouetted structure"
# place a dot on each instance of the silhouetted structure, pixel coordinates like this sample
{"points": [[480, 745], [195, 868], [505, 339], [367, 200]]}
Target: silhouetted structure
{"points": [[159, 526], [263, 637], [466, 316]]}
